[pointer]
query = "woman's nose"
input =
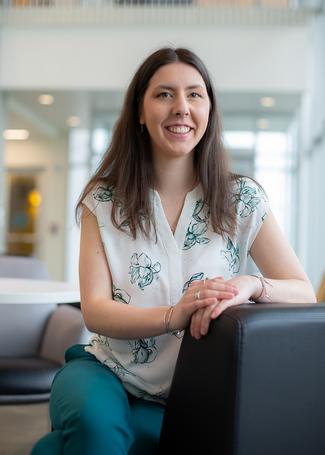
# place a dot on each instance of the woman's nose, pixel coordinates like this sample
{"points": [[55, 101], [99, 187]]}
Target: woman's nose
{"points": [[180, 107]]}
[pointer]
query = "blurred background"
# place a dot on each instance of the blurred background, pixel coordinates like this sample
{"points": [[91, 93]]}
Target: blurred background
{"points": [[64, 68]]}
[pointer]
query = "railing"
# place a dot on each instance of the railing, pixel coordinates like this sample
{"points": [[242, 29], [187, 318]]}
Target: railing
{"points": [[150, 12]]}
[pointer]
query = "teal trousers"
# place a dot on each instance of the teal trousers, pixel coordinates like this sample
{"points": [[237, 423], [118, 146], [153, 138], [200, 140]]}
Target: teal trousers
{"points": [[92, 414]]}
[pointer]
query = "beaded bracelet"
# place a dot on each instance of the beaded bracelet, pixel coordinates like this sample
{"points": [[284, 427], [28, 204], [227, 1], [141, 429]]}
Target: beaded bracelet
{"points": [[264, 293]]}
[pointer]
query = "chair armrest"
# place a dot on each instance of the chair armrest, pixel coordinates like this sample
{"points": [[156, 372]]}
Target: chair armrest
{"points": [[65, 328], [253, 385]]}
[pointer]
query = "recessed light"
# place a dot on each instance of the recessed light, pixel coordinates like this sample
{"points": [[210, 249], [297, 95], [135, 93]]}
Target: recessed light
{"points": [[73, 121], [267, 101], [15, 135], [262, 123], [46, 99]]}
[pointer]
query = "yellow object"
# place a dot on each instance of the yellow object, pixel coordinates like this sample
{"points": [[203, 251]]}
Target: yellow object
{"points": [[34, 198], [321, 291]]}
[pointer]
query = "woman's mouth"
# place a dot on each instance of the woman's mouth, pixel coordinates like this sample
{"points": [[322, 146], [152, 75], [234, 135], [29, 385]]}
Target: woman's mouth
{"points": [[179, 129]]}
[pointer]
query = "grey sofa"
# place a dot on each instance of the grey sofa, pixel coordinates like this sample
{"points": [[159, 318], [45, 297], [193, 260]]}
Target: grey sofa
{"points": [[33, 338]]}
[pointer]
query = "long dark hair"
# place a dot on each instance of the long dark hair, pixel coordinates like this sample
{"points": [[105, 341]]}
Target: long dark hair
{"points": [[127, 166]]}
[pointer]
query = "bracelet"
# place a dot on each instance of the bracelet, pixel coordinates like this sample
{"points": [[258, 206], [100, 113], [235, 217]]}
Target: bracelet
{"points": [[264, 293], [167, 318]]}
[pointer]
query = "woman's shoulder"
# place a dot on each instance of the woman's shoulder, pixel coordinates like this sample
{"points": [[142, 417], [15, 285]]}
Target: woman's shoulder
{"points": [[98, 193], [249, 196]]}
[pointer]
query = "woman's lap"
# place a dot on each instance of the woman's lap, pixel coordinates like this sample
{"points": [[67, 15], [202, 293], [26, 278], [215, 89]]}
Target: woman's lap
{"points": [[94, 412]]}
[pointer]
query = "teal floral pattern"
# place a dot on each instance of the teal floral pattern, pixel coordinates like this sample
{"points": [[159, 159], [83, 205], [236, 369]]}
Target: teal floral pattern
{"points": [[196, 277], [142, 271], [104, 194], [247, 198], [232, 256], [198, 226], [118, 368], [144, 350], [119, 295], [111, 362]]}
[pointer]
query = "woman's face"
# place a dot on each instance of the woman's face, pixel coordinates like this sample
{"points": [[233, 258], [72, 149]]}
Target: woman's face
{"points": [[175, 110]]}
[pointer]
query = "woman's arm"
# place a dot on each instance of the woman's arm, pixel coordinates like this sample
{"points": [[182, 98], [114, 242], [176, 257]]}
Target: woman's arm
{"points": [[105, 316], [279, 264], [286, 281]]}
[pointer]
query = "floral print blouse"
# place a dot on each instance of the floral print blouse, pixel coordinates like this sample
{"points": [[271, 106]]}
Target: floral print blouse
{"points": [[156, 272]]}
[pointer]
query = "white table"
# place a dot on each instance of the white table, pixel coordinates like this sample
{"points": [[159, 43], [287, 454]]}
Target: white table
{"points": [[30, 291]]}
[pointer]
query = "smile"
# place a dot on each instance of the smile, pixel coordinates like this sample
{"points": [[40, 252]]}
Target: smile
{"points": [[179, 129]]}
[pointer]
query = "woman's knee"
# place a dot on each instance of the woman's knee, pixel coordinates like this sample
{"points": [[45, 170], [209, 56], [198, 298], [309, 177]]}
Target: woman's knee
{"points": [[90, 405]]}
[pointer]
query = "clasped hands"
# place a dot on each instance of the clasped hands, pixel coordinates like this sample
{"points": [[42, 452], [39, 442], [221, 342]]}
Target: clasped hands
{"points": [[213, 296]]}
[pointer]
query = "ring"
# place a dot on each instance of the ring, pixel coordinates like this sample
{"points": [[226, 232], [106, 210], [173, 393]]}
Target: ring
{"points": [[197, 295]]}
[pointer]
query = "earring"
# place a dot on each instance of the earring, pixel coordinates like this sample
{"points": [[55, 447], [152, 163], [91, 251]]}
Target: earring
{"points": [[141, 128]]}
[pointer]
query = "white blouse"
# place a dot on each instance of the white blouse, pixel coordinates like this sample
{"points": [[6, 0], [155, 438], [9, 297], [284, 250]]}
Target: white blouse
{"points": [[155, 272]]}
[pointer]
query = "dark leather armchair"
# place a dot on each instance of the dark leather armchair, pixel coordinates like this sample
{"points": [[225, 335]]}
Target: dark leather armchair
{"points": [[255, 385]]}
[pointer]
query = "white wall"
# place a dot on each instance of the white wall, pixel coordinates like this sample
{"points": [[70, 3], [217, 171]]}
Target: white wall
{"points": [[50, 157], [313, 157], [240, 58]]}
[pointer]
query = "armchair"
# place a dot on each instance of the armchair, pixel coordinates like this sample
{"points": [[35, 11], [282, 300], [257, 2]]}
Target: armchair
{"points": [[255, 385]]}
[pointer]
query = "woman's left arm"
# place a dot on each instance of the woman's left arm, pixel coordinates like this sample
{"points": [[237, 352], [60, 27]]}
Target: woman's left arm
{"points": [[285, 280]]}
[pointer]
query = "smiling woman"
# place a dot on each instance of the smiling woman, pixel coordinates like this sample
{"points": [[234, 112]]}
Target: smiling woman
{"points": [[175, 114], [166, 230]]}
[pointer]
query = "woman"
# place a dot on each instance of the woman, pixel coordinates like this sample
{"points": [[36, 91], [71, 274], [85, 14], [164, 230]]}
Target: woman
{"points": [[165, 234]]}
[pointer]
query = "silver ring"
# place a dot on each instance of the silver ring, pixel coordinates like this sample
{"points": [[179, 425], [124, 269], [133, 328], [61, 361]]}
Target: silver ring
{"points": [[197, 295]]}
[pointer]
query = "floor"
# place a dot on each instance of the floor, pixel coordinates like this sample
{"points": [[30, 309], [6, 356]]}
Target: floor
{"points": [[21, 426]]}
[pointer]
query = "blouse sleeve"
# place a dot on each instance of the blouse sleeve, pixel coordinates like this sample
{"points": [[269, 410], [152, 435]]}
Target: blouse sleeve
{"points": [[252, 207], [97, 196]]}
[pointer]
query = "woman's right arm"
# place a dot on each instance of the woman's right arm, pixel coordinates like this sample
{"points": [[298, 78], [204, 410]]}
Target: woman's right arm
{"points": [[108, 317]]}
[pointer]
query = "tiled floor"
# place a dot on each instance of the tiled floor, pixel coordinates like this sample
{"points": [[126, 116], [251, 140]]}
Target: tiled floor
{"points": [[21, 426]]}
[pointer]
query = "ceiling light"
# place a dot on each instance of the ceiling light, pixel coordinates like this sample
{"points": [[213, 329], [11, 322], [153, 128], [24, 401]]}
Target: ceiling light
{"points": [[267, 101], [16, 135], [73, 121], [262, 123], [46, 99]]}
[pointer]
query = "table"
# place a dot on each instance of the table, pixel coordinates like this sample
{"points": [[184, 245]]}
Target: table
{"points": [[30, 291]]}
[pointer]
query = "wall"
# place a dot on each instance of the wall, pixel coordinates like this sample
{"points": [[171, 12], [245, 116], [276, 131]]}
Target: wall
{"points": [[312, 211], [240, 58]]}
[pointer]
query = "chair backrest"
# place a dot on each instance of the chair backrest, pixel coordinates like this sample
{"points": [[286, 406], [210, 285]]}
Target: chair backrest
{"points": [[23, 267], [22, 326], [253, 385]]}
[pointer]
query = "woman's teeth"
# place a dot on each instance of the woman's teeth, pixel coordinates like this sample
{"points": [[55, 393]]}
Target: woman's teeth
{"points": [[179, 129]]}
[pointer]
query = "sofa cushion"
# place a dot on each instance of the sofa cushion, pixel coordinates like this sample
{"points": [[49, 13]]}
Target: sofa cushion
{"points": [[26, 375]]}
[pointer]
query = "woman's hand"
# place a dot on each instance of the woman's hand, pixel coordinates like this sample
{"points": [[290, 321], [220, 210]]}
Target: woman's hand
{"points": [[246, 285], [199, 296]]}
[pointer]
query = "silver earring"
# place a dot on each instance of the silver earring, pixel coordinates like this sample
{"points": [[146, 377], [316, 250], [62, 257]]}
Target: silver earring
{"points": [[141, 128]]}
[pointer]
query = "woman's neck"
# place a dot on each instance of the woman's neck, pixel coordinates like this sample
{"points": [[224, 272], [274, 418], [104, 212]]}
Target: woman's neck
{"points": [[175, 177]]}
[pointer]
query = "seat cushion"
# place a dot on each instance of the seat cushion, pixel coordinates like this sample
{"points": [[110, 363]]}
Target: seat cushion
{"points": [[21, 376]]}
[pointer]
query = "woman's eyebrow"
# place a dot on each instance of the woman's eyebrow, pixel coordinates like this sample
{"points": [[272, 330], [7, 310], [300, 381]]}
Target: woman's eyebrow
{"points": [[171, 87]]}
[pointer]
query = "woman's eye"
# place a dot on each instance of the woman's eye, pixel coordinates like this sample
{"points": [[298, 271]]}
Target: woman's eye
{"points": [[195, 95], [164, 95]]}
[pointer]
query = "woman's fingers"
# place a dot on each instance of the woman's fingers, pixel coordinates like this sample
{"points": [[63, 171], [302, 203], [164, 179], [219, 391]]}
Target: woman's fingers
{"points": [[206, 319], [196, 317], [222, 306]]}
